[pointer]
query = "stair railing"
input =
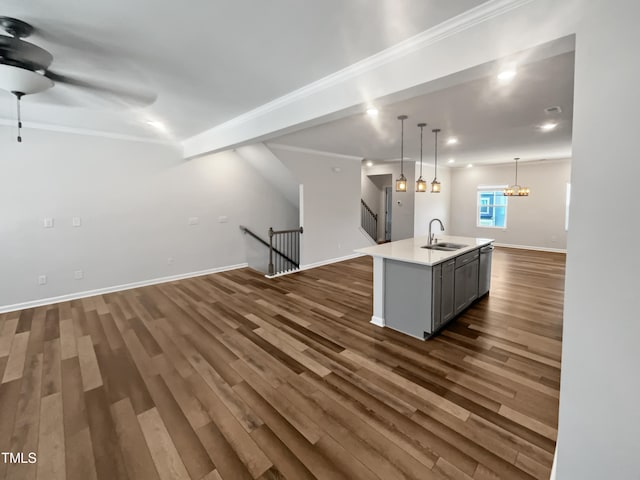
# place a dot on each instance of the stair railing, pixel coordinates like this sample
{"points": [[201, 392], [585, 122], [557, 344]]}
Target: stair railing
{"points": [[368, 220], [284, 250]]}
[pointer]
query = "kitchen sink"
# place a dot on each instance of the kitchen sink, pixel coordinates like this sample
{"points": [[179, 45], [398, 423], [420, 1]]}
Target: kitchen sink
{"points": [[455, 246], [444, 246]]}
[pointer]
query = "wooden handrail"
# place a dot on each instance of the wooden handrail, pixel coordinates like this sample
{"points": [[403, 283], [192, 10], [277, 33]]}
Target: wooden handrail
{"points": [[246, 230], [375, 215], [300, 230]]}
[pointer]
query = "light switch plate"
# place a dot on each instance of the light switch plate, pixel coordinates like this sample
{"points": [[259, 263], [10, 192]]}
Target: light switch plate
{"points": [[48, 222], [223, 219], [78, 274], [42, 280], [76, 221], [194, 220]]}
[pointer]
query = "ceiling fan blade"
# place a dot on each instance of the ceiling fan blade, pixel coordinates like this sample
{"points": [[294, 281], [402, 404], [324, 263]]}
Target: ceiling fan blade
{"points": [[138, 97], [25, 54]]}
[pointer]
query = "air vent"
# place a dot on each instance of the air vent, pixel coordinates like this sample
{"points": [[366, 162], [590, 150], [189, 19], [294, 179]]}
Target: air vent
{"points": [[555, 109]]}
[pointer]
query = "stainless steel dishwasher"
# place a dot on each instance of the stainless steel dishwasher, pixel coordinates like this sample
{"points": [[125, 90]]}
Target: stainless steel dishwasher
{"points": [[484, 280]]}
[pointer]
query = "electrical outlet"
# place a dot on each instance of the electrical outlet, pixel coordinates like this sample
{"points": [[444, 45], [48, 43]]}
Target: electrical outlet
{"points": [[48, 222], [223, 219], [42, 280], [194, 220], [76, 222], [78, 274], [170, 261]]}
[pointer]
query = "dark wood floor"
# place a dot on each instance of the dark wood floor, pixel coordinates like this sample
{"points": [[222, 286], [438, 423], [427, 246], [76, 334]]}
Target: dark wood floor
{"points": [[235, 376]]}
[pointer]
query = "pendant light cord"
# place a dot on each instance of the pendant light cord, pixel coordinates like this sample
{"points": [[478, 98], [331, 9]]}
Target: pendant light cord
{"points": [[435, 170], [516, 171], [402, 146], [421, 131], [18, 97]]}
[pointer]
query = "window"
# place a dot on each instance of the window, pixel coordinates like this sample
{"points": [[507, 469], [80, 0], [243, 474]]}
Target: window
{"points": [[492, 208]]}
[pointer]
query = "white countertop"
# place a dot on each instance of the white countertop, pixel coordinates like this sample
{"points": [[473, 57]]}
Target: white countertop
{"points": [[409, 250]]}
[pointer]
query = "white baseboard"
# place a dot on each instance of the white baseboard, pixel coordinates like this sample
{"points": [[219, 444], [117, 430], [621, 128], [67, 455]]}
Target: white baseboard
{"points": [[377, 321], [530, 247], [317, 264], [282, 274], [330, 261], [116, 288]]}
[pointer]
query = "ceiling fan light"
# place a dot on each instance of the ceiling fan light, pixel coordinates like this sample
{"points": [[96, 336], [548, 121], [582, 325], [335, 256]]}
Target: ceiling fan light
{"points": [[421, 185], [16, 79]]}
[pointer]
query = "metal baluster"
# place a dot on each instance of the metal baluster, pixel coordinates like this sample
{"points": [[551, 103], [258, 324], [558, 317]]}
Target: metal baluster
{"points": [[270, 251], [281, 259]]}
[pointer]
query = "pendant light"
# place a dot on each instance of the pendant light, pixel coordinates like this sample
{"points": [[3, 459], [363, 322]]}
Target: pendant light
{"points": [[435, 185], [421, 183], [401, 182], [516, 190]]}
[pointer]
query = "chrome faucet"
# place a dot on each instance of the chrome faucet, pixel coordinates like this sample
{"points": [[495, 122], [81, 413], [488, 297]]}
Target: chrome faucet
{"points": [[431, 235]]}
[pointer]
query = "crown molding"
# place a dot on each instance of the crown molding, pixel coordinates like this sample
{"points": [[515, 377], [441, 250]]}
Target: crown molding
{"points": [[87, 132], [323, 153], [452, 26]]}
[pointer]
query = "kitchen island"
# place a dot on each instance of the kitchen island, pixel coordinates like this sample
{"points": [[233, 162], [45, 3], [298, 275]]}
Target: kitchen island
{"points": [[418, 290]]}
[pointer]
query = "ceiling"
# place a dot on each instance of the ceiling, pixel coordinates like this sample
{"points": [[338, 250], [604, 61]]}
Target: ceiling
{"points": [[207, 61], [493, 121]]}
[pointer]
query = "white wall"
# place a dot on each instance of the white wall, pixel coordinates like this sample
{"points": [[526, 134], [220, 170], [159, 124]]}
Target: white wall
{"points": [[330, 204], [402, 212], [433, 205], [534, 221], [599, 434], [134, 200]]}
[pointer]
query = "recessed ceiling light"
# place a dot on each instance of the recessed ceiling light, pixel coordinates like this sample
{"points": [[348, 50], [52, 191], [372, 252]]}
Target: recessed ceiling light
{"points": [[451, 160], [507, 75], [470, 165], [156, 124], [452, 141], [372, 112], [369, 163], [548, 126]]}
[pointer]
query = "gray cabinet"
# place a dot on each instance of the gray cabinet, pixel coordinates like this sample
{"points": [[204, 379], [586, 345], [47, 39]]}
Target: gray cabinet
{"points": [[466, 280], [420, 299], [443, 294]]}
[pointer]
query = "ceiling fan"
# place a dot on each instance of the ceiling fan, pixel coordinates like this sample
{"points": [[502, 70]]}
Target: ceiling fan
{"points": [[24, 69]]}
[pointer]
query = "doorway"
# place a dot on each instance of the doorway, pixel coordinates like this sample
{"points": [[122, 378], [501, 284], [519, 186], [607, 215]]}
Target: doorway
{"points": [[388, 195]]}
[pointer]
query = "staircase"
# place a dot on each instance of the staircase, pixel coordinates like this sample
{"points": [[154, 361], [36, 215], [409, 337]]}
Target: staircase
{"points": [[368, 220], [284, 249]]}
